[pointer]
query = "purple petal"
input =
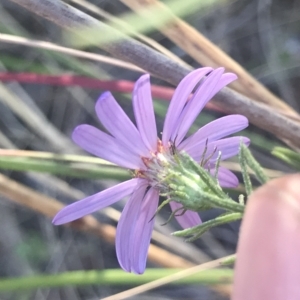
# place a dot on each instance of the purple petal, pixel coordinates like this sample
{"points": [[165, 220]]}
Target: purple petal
{"points": [[143, 231], [226, 178], [126, 225], [105, 146], [114, 119], [95, 202], [214, 82], [215, 130], [144, 112], [179, 99], [188, 219], [229, 147], [226, 79], [200, 97]]}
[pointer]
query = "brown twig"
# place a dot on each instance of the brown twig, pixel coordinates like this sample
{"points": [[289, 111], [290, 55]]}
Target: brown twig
{"points": [[123, 47], [206, 53], [162, 67]]}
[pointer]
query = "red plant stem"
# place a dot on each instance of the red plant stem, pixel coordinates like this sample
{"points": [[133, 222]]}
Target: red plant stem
{"points": [[122, 86]]}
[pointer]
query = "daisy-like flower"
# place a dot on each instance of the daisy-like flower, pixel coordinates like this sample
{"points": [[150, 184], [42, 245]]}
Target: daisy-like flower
{"points": [[138, 148]]}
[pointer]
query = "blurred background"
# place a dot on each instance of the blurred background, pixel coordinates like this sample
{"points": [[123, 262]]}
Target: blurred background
{"points": [[263, 36]]}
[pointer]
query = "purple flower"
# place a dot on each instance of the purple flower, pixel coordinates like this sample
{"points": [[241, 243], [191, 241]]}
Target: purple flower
{"points": [[134, 147]]}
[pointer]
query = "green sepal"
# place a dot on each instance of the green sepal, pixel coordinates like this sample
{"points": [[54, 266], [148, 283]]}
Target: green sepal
{"points": [[195, 188]]}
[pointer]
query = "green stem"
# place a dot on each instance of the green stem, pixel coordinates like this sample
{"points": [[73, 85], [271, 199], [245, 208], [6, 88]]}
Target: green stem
{"points": [[229, 260], [65, 169], [111, 277], [287, 155]]}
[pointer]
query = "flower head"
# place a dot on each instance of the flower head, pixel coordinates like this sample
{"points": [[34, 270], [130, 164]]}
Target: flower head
{"points": [[138, 148]]}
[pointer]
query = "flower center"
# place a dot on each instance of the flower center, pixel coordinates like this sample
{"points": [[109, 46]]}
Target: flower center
{"points": [[157, 166]]}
